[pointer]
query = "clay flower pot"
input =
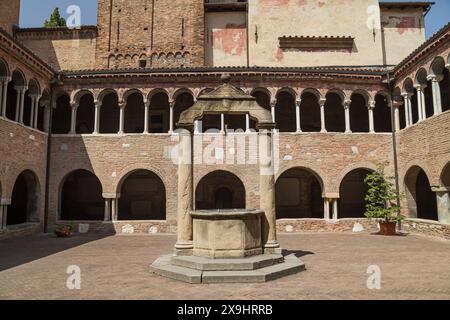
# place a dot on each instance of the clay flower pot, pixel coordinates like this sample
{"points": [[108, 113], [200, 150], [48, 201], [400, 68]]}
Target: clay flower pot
{"points": [[388, 228], [63, 231]]}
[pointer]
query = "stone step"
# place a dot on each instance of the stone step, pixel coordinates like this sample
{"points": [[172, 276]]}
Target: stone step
{"points": [[290, 266], [164, 267], [206, 264]]}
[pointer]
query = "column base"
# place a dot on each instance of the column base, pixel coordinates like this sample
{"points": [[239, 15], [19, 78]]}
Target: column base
{"points": [[184, 248], [272, 247]]}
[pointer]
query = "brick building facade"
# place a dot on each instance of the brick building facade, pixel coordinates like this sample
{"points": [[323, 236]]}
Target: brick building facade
{"points": [[111, 95]]}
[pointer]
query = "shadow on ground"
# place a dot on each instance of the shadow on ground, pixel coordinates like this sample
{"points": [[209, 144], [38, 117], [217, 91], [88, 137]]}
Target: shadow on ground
{"points": [[297, 253]]}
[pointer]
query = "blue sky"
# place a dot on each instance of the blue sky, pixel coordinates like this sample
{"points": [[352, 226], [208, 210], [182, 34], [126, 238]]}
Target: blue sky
{"points": [[34, 13]]}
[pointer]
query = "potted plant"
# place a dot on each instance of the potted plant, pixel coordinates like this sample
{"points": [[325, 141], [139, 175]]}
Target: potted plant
{"points": [[381, 201], [64, 230]]}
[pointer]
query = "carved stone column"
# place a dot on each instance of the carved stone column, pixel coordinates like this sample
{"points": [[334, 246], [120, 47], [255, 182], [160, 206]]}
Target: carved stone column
{"points": [[323, 127]]}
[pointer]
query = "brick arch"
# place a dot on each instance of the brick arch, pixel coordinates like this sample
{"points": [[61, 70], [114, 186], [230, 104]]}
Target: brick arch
{"points": [[76, 95], [287, 90], [339, 92], [115, 185], [176, 93], [445, 176], [155, 91], [308, 169], [313, 91], [437, 66], [99, 96], [130, 92], [19, 76], [4, 68], [32, 200], [366, 165]]}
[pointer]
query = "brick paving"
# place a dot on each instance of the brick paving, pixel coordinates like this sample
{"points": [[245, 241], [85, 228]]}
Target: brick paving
{"points": [[116, 267]]}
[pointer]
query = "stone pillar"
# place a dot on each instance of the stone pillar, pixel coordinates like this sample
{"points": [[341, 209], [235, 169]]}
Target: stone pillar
{"points": [[196, 127], [371, 122], [18, 95], [115, 209], [107, 216], [4, 97], [184, 243], [32, 110], [247, 123], [22, 104], [222, 123], [297, 115], [335, 209], [36, 113], [4, 203], [171, 119], [407, 103], [121, 118], [326, 209], [47, 117], [73, 118], [347, 116], [273, 104], [267, 191], [421, 101], [437, 100], [98, 106], [322, 115], [443, 204]]}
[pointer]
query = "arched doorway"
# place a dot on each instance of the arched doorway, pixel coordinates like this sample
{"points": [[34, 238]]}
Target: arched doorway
{"points": [[62, 115], [285, 112], [110, 113], [334, 113], [298, 194], [85, 115], [353, 190], [421, 199], [142, 197], [382, 114], [310, 112], [359, 113], [220, 190], [81, 197], [25, 200]]}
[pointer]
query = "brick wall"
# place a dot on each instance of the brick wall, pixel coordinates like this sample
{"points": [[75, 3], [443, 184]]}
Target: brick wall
{"points": [[164, 33], [9, 16]]}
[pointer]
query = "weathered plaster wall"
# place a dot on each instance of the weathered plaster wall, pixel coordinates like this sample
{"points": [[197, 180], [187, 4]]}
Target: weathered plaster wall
{"points": [[226, 39], [270, 19], [404, 31]]}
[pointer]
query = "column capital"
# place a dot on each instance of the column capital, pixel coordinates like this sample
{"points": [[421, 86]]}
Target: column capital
{"points": [[5, 79], [371, 105], [172, 103], [447, 66], [74, 104], [111, 195], [21, 89], [346, 104], [322, 102], [407, 94], [298, 102], [420, 87], [98, 103], [397, 104], [122, 104], [273, 103]]}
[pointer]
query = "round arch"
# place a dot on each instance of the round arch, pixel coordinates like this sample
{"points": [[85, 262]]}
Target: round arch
{"points": [[445, 176], [142, 196], [81, 197], [298, 194], [25, 199], [285, 110], [220, 190], [4, 68], [359, 112], [352, 192]]}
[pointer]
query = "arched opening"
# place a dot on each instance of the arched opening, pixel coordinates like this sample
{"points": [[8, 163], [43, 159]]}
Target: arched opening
{"points": [[85, 115], [142, 197], [44, 104], [382, 114], [445, 176], [30, 95], [353, 190], [420, 197], [62, 115], [359, 113], [81, 197], [445, 90], [334, 113], [13, 98], [298, 195], [285, 112], [160, 113], [262, 98], [409, 88], [110, 113], [134, 113], [220, 190], [310, 112], [441, 73], [27, 109], [429, 106], [183, 101], [25, 200]]}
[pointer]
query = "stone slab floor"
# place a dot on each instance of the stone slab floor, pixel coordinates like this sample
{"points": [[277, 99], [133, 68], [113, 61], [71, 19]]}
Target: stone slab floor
{"points": [[116, 267]]}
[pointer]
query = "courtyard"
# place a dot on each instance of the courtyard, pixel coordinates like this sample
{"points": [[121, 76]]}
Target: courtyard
{"points": [[116, 267]]}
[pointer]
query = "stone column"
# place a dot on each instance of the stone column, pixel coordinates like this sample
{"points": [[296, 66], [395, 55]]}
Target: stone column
{"points": [[122, 117], [407, 103], [4, 203], [437, 100], [335, 209], [348, 128], [443, 204], [196, 127], [47, 117], [297, 115], [146, 115], [115, 208], [18, 95], [323, 127], [98, 106], [421, 101], [184, 243], [36, 113], [267, 190], [22, 104], [171, 119], [73, 118], [326, 209], [107, 216], [273, 104], [371, 122], [222, 123], [4, 96], [32, 110], [247, 123]]}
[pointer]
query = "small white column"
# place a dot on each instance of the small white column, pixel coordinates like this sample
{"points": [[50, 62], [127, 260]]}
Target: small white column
{"points": [[107, 216], [273, 104], [407, 103], [114, 209], [32, 110], [323, 127], [396, 105], [297, 115], [371, 107], [421, 101], [36, 113], [73, 118], [18, 95], [222, 123], [46, 117], [121, 118], [196, 127], [347, 116], [335, 209], [22, 104], [1, 217], [437, 100], [147, 115], [326, 209], [247, 123], [4, 96], [171, 124], [98, 106]]}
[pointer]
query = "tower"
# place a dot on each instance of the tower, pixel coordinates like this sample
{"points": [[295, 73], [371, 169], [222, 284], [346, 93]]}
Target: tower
{"points": [[10, 14]]}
